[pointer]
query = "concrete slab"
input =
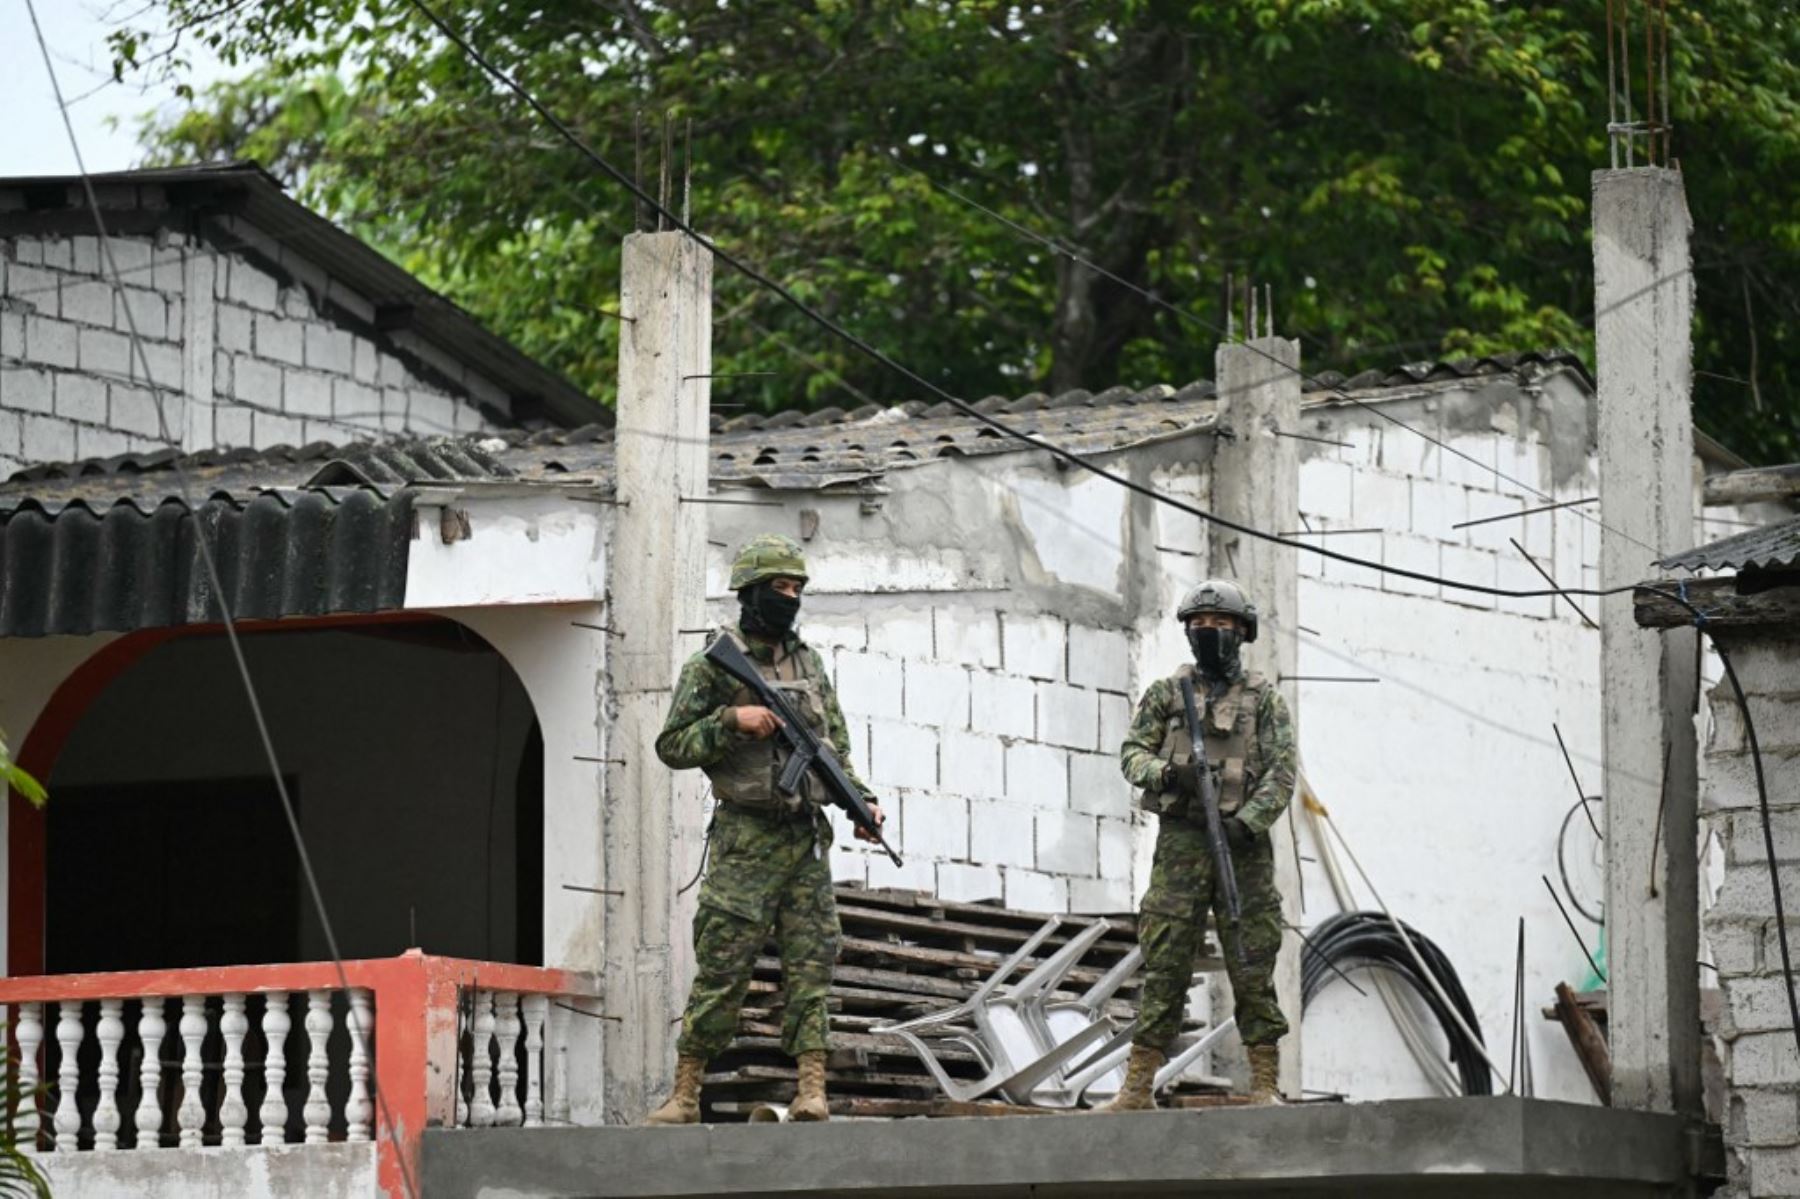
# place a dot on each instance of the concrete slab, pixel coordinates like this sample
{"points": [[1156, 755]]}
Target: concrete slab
{"points": [[1426, 1147]]}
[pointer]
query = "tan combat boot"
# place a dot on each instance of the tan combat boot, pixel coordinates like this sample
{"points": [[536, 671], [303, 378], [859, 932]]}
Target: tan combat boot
{"points": [[1265, 1075], [1138, 1093], [683, 1106], [809, 1103]]}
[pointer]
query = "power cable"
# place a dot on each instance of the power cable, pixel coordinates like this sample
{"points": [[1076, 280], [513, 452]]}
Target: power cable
{"points": [[357, 1032], [875, 354]]}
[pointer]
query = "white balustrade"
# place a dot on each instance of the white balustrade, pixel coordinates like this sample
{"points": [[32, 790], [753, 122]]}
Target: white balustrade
{"points": [[503, 1094], [152, 1031], [233, 1115], [276, 1024], [69, 1035], [358, 1110], [109, 1032], [28, 1029], [506, 1032], [481, 1105], [190, 1117], [534, 1007], [318, 1067], [195, 1077]]}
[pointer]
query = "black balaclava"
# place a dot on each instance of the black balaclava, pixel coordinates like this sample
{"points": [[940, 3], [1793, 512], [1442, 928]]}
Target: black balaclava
{"points": [[1216, 652], [766, 612]]}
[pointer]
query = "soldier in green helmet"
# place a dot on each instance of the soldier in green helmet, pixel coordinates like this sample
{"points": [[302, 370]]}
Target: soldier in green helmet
{"points": [[769, 874], [1249, 742]]}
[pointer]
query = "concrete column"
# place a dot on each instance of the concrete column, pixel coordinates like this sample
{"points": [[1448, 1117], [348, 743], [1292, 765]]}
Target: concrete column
{"points": [[1256, 481], [657, 586], [1644, 297], [199, 315]]}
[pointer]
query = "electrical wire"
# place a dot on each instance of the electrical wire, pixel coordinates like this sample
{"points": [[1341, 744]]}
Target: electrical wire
{"points": [[357, 1032], [1762, 798], [881, 358], [1367, 940]]}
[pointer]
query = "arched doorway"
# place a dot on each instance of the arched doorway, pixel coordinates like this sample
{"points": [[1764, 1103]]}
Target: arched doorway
{"points": [[414, 759]]}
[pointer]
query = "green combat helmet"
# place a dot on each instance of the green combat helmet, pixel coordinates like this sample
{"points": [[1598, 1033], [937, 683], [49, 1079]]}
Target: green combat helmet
{"points": [[767, 557], [1220, 595]]}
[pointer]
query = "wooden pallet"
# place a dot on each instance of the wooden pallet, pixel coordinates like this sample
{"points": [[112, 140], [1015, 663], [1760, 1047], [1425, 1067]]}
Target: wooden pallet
{"points": [[904, 954]]}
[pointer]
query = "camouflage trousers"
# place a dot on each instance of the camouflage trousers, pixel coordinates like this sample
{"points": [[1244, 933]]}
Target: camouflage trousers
{"points": [[765, 880], [1172, 928]]}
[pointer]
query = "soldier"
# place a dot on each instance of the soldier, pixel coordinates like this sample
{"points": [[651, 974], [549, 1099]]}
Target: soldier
{"points": [[769, 872], [1250, 744]]}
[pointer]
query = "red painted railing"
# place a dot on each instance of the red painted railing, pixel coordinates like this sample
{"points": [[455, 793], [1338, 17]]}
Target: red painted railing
{"points": [[419, 1004]]}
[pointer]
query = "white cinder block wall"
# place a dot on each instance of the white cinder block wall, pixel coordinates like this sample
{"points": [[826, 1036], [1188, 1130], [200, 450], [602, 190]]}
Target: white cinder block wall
{"points": [[1445, 775], [1762, 1120], [283, 369]]}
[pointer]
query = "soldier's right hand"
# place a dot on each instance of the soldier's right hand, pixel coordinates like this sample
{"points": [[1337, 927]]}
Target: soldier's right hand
{"points": [[755, 721]]}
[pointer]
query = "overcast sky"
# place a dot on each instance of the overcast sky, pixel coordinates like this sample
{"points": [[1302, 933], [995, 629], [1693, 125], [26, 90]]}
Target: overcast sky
{"points": [[32, 139]]}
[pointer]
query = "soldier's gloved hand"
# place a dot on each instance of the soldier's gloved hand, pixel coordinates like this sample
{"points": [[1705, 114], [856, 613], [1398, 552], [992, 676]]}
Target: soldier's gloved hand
{"points": [[1237, 832], [1181, 779], [863, 834], [752, 721]]}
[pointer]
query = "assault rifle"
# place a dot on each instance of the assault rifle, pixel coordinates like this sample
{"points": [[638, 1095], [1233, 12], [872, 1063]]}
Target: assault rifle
{"points": [[1208, 794], [806, 751]]}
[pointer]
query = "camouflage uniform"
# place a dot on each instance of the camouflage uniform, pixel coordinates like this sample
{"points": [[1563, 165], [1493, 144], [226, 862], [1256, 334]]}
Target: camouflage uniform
{"points": [[1251, 718], [770, 874]]}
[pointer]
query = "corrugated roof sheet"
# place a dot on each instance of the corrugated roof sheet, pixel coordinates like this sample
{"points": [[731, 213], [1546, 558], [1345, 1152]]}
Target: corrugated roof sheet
{"points": [[75, 568], [103, 544], [1772, 547]]}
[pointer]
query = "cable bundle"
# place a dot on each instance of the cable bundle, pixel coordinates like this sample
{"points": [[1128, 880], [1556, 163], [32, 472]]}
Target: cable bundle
{"points": [[1368, 939]]}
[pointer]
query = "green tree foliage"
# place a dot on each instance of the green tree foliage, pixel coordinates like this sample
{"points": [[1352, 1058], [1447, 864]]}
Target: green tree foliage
{"points": [[1411, 176], [12, 776]]}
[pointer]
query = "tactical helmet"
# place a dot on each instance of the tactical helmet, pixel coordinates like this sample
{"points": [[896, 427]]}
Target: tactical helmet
{"points": [[1220, 595], [766, 557]]}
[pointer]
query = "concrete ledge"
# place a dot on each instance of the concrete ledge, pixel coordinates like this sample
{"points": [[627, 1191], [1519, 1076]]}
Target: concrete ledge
{"points": [[335, 1171], [1447, 1147]]}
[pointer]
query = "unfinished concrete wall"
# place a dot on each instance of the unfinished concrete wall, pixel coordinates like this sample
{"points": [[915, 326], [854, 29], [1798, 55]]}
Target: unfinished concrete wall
{"points": [[980, 621], [1762, 1116], [1444, 774], [247, 350]]}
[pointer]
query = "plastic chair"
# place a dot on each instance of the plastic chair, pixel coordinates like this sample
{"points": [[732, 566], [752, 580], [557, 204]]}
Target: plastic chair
{"points": [[1010, 1028]]}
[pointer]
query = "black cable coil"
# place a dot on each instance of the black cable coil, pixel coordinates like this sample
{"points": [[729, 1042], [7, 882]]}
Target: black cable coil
{"points": [[1356, 940]]}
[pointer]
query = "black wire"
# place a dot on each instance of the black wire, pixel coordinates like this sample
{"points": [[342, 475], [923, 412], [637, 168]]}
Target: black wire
{"points": [[878, 356], [1762, 799], [1368, 940]]}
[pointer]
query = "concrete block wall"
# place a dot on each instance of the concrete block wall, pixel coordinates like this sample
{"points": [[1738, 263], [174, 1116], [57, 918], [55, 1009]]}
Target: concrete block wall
{"points": [[992, 735], [285, 368], [1445, 775], [992, 738], [1756, 1047]]}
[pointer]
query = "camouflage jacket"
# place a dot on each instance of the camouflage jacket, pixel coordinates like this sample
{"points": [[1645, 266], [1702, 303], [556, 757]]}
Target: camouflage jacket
{"points": [[1266, 796], [695, 736]]}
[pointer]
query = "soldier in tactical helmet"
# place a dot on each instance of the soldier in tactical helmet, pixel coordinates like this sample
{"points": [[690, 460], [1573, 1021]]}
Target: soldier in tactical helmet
{"points": [[769, 873], [1249, 743]]}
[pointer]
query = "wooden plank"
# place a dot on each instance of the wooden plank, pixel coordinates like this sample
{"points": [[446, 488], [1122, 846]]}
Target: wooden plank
{"points": [[1757, 485], [1590, 1046], [1118, 930], [1718, 598]]}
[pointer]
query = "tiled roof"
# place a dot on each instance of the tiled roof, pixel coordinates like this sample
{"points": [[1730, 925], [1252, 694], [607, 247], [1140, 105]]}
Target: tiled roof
{"points": [[790, 449]]}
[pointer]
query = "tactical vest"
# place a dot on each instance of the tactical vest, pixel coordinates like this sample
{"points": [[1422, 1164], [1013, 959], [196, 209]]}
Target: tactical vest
{"points": [[746, 776], [1229, 729]]}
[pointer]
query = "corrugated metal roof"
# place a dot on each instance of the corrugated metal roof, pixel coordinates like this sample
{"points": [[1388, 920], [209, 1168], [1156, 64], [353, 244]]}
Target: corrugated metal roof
{"points": [[103, 544], [77, 568], [1772, 547]]}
